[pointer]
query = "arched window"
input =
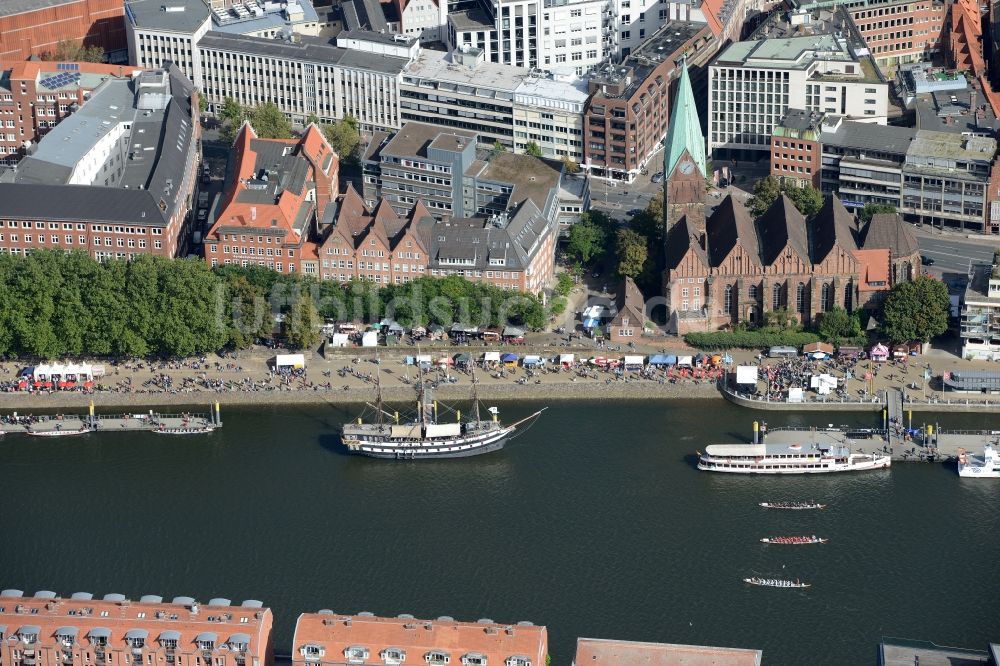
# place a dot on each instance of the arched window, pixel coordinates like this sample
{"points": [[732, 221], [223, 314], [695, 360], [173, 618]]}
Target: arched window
{"points": [[848, 302], [776, 297], [826, 296], [727, 302], [752, 293], [800, 298]]}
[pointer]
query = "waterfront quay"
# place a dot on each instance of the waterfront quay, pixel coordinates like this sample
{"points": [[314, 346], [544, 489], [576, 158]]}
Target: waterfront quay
{"points": [[66, 425]]}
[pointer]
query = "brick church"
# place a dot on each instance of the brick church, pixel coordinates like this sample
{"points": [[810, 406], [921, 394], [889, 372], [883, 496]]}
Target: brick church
{"points": [[729, 268]]}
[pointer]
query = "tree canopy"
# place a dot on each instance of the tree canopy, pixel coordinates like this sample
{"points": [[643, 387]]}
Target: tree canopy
{"points": [[269, 122], [837, 324], [871, 209], [632, 253], [156, 306], [808, 200], [532, 148], [588, 238], [69, 50], [344, 137], [916, 311]]}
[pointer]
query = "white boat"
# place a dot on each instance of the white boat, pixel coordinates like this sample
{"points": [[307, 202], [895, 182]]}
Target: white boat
{"points": [[813, 458], [986, 466], [775, 582], [59, 433]]}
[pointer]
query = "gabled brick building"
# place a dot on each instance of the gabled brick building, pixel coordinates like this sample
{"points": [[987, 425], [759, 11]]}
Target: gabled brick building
{"points": [[278, 193]]}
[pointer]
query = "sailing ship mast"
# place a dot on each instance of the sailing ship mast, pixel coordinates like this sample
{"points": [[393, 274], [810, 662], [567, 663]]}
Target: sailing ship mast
{"points": [[378, 391], [475, 395]]}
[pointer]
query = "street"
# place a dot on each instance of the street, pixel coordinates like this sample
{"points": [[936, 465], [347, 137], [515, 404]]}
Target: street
{"points": [[952, 252]]}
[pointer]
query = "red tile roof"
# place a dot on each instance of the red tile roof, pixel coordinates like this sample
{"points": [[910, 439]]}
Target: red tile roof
{"points": [[335, 633], [604, 652]]}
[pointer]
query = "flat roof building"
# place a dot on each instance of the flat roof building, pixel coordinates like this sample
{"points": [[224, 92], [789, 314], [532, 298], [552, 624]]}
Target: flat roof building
{"points": [[115, 178], [331, 639], [36, 95], [821, 65], [46, 629]]}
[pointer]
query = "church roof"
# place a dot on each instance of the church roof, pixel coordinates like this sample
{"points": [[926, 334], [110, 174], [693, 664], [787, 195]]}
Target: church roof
{"points": [[888, 231], [782, 225], [680, 238], [832, 226], [684, 132], [731, 225]]}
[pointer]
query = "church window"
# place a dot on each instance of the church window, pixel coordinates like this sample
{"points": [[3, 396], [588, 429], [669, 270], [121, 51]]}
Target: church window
{"points": [[752, 293], [800, 298], [827, 296], [776, 297], [847, 298], [727, 302]]}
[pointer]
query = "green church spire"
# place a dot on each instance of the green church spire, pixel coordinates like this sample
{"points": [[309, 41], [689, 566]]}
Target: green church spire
{"points": [[684, 132]]}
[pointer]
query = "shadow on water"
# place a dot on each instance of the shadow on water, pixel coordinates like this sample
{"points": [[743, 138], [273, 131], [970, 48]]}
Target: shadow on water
{"points": [[332, 443]]}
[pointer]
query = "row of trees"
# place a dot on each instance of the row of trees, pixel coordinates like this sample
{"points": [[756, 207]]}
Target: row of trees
{"points": [[269, 122], [55, 304]]}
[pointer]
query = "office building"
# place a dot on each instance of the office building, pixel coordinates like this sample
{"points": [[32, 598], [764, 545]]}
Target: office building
{"points": [[502, 104], [606, 652], [47, 630], [896, 31], [627, 114], [753, 83], [115, 178], [304, 77], [333, 639], [34, 28], [575, 37], [278, 192], [980, 314], [35, 95]]}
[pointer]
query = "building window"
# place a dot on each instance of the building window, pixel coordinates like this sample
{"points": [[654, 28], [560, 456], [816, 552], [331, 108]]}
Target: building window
{"points": [[727, 302], [848, 304], [776, 297], [800, 298], [752, 293], [826, 296]]}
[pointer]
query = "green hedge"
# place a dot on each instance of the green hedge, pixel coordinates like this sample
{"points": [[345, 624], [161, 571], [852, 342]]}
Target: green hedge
{"points": [[749, 339]]}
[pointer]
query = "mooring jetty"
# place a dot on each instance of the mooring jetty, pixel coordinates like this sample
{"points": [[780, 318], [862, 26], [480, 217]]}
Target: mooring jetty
{"points": [[68, 425]]}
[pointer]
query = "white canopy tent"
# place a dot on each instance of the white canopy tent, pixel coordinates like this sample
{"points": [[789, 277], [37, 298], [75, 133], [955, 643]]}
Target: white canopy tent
{"points": [[746, 374]]}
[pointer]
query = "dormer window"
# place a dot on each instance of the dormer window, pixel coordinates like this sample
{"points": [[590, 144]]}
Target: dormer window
{"points": [[518, 661], [474, 659], [437, 658], [356, 654], [136, 638], [393, 656], [312, 652], [239, 642]]}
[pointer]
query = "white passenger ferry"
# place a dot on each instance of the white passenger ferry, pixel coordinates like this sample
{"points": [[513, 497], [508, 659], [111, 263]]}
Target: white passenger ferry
{"points": [[810, 458], [986, 466]]}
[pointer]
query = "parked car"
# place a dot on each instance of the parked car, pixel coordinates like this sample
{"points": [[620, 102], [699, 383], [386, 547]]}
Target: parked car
{"points": [[723, 183], [634, 211], [926, 261], [657, 177], [202, 215]]}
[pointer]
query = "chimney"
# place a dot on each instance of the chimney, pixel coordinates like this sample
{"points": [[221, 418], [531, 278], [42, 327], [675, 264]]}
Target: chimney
{"points": [[253, 213]]}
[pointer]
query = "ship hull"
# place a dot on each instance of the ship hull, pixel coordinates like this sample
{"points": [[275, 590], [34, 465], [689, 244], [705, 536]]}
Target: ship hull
{"points": [[464, 447], [784, 467]]}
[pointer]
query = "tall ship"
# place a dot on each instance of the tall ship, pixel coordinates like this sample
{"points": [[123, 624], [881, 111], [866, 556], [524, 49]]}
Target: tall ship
{"points": [[425, 436], [787, 459], [986, 466]]}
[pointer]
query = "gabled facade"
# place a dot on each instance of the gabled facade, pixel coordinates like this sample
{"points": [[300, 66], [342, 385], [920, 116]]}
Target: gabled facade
{"points": [[280, 190], [630, 320]]}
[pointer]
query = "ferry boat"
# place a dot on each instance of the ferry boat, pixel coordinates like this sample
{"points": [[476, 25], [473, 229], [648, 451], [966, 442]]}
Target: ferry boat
{"points": [[425, 437], [184, 430], [775, 582], [793, 506], [812, 458], [793, 540], [986, 466]]}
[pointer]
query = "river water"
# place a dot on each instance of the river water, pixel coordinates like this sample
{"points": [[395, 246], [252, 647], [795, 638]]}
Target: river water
{"points": [[594, 522]]}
